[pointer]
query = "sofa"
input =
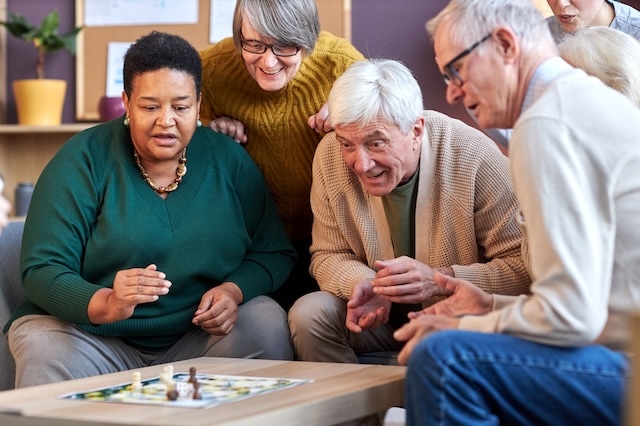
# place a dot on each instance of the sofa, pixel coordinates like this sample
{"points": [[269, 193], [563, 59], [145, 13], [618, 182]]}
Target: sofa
{"points": [[11, 294]]}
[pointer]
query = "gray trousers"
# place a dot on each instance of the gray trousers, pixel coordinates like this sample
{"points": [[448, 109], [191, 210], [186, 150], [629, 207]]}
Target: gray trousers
{"points": [[47, 349], [319, 333]]}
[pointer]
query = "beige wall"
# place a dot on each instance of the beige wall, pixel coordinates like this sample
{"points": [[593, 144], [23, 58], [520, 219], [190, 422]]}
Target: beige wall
{"points": [[543, 6]]}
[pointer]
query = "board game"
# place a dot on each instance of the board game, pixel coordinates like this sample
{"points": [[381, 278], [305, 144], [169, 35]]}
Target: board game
{"points": [[189, 390]]}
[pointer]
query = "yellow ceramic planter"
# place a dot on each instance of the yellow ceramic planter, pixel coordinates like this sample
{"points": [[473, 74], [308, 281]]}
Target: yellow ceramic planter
{"points": [[39, 102]]}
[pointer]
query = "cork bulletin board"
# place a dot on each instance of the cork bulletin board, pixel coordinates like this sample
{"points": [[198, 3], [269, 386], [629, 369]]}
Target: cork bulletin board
{"points": [[92, 48]]}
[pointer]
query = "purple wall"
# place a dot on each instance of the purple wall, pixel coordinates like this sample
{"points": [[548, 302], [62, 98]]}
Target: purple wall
{"points": [[380, 28], [395, 30]]}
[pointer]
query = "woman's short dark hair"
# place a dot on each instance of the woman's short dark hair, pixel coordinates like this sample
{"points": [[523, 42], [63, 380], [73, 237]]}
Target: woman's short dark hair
{"points": [[158, 50]]}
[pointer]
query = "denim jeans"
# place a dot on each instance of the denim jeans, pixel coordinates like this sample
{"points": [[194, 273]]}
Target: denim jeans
{"points": [[459, 377]]}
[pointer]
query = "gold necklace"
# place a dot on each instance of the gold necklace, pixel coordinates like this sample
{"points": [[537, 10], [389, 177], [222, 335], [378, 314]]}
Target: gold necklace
{"points": [[181, 170]]}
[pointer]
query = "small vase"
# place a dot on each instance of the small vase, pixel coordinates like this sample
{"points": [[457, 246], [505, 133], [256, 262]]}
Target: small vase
{"points": [[110, 108]]}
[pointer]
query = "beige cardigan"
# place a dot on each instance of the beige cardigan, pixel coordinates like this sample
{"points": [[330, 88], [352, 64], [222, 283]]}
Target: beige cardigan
{"points": [[465, 214]]}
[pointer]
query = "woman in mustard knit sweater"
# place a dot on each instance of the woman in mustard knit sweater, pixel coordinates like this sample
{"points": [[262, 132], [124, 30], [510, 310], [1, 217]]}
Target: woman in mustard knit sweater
{"points": [[260, 87]]}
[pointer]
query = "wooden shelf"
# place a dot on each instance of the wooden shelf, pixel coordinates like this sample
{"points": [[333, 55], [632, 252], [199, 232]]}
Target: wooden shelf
{"points": [[10, 129], [26, 150]]}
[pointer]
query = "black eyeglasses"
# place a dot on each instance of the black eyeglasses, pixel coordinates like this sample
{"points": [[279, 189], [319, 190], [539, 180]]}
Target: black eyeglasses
{"points": [[258, 47], [451, 75]]}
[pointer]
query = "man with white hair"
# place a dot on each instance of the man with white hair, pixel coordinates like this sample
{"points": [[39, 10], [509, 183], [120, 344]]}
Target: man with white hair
{"points": [[399, 193]]}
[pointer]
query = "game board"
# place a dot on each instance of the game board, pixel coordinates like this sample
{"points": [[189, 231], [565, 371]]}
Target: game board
{"points": [[211, 389]]}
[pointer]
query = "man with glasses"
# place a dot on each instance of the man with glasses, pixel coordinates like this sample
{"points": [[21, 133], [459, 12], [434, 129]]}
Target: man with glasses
{"points": [[266, 87], [552, 357], [570, 16], [399, 194]]}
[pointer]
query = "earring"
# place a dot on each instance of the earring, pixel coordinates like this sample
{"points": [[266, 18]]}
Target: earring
{"points": [[199, 123], [126, 121]]}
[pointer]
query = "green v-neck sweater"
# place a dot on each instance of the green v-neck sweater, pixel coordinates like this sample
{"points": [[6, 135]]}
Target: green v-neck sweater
{"points": [[93, 215]]}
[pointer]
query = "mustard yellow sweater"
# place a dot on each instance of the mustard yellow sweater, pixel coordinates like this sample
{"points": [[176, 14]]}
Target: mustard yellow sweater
{"points": [[279, 139]]}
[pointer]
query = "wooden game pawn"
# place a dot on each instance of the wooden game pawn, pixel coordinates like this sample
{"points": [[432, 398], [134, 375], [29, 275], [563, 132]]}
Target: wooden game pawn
{"points": [[196, 391]]}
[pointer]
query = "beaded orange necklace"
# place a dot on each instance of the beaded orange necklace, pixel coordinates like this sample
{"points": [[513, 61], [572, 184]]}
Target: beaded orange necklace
{"points": [[181, 170]]}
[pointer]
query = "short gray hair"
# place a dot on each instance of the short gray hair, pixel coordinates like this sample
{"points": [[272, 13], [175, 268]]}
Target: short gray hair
{"points": [[471, 20], [286, 22], [610, 55], [376, 89]]}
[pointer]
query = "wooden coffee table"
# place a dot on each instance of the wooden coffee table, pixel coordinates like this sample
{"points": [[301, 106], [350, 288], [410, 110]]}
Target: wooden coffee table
{"points": [[338, 393]]}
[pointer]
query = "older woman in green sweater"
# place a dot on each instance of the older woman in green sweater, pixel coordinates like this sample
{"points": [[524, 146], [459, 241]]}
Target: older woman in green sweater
{"points": [[130, 258], [260, 87]]}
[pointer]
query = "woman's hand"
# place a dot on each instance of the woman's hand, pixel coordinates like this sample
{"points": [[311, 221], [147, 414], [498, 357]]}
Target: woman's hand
{"points": [[131, 287], [320, 120], [230, 127], [218, 309]]}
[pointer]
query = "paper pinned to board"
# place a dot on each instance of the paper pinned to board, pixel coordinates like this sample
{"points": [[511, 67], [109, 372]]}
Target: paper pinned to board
{"points": [[115, 63], [139, 12], [221, 19]]}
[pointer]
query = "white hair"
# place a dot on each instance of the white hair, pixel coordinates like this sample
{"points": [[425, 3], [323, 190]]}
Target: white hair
{"points": [[376, 89]]}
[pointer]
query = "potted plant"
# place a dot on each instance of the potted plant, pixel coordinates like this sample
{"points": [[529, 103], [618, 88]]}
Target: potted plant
{"points": [[40, 101]]}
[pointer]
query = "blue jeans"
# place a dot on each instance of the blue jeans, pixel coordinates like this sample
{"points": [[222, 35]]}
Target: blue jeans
{"points": [[458, 377]]}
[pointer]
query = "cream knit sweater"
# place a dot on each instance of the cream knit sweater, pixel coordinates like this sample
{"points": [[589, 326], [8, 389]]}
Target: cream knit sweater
{"points": [[465, 214]]}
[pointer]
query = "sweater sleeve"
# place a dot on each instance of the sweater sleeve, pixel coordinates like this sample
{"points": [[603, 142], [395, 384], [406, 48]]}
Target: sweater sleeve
{"points": [[63, 209], [271, 256], [475, 224], [497, 231], [338, 260], [568, 305]]}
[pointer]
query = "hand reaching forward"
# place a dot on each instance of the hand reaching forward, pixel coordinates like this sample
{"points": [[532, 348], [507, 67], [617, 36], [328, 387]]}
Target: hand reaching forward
{"points": [[417, 329], [467, 299], [131, 287], [218, 309], [230, 127], [365, 309]]}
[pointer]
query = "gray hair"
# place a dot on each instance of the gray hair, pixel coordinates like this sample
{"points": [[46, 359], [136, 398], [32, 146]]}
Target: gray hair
{"points": [[376, 89], [470, 20], [608, 54], [286, 22]]}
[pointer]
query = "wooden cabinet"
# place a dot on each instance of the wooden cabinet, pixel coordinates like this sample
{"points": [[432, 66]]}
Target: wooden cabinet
{"points": [[25, 150]]}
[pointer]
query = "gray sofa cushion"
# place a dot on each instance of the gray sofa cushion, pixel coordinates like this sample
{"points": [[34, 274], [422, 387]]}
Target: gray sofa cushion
{"points": [[11, 294]]}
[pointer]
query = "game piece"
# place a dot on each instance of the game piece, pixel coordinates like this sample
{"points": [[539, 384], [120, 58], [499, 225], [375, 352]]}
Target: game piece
{"points": [[168, 369], [172, 394], [184, 389], [136, 384], [196, 392], [192, 375]]}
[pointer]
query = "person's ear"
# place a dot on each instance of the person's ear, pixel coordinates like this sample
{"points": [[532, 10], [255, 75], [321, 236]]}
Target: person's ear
{"points": [[508, 43], [418, 130], [125, 101]]}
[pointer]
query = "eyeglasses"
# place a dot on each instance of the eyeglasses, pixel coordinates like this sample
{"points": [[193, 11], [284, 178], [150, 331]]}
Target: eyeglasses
{"points": [[451, 75], [258, 47]]}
